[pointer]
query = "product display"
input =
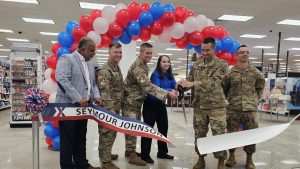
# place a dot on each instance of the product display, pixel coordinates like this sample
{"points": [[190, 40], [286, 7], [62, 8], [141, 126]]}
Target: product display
{"points": [[4, 85]]}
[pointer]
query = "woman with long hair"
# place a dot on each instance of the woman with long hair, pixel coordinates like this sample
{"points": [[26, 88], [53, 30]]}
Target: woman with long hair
{"points": [[155, 110]]}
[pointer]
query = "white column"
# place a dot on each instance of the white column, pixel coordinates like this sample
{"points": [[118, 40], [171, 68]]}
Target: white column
{"points": [[129, 56]]}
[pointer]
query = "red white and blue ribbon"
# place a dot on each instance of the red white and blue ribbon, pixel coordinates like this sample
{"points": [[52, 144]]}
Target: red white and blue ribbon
{"points": [[35, 100], [68, 111]]}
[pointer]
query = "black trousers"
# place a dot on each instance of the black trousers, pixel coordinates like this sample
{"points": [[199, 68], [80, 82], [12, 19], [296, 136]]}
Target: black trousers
{"points": [[73, 144], [155, 111]]}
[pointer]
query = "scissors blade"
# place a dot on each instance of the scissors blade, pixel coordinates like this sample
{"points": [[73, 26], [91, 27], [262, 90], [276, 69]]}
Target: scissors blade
{"points": [[183, 108]]}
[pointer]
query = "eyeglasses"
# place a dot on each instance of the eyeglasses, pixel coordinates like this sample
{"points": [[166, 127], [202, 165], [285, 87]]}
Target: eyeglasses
{"points": [[243, 52]]}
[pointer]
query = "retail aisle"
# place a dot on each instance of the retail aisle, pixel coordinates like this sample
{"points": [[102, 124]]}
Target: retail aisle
{"points": [[282, 152]]}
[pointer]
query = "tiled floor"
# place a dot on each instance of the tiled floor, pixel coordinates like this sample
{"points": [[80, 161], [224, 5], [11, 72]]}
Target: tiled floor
{"points": [[281, 152]]}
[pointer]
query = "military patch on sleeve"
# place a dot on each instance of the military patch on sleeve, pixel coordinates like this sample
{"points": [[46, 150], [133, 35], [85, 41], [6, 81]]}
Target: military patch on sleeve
{"points": [[103, 81], [142, 79]]}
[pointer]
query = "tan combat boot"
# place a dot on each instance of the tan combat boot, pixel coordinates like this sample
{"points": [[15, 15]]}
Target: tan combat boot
{"points": [[221, 164], [249, 162], [109, 165], [231, 160], [135, 160], [200, 163], [127, 153]]}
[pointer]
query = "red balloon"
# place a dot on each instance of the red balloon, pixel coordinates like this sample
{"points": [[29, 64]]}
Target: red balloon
{"points": [[226, 33], [99, 46], [189, 13], [168, 19], [55, 47], [96, 13], [123, 17], [182, 42], [233, 59], [55, 124], [86, 22], [49, 141], [135, 38], [47, 98], [78, 33], [134, 10], [145, 7], [145, 34], [74, 47], [156, 27], [106, 40], [219, 32], [115, 30], [51, 61], [208, 31], [195, 38], [180, 14], [226, 56], [53, 75]]}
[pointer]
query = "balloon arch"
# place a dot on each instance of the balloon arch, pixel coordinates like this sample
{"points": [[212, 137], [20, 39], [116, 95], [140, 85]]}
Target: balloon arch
{"points": [[136, 21]]}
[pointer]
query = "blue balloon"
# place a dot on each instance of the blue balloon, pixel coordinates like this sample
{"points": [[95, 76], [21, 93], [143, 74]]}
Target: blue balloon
{"points": [[56, 143], [190, 66], [51, 131], [169, 7], [145, 19], [197, 49], [134, 28], [48, 123], [61, 51], [227, 43], [70, 26], [156, 10], [116, 39], [218, 45], [235, 46], [125, 38], [189, 46], [65, 39]]}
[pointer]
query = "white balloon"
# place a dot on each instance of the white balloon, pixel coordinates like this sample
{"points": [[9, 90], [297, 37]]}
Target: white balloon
{"points": [[165, 36], [109, 14], [210, 23], [100, 25], [52, 98], [47, 73], [177, 31], [94, 36], [120, 6], [49, 86], [190, 24], [201, 21]]}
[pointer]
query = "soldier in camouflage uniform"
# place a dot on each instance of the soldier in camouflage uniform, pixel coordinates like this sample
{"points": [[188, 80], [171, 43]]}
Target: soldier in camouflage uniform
{"points": [[137, 85], [110, 81], [243, 88], [209, 102]]}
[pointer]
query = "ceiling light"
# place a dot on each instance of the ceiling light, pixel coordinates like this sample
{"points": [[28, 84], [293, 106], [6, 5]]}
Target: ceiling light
{"points": [[253, 58], [253, 36], [235, 18], [104, 51], [149, 41], [102, 55], [297, 55], [53, 41], [17, 40], [289, 22], [3, 56], [5, 50], [98, 58], [1, 45], [168, 54], [175, 49], [255, 62], [184, 59], [150, 63], [23, 1], [293, 39], [296, 60], [47, 52], [6, 31], [275, 59], [176, 61], [49, 33], [263, 47], [270, 54], [294, 48], [33, 20], [138, 47], [87, 5]]}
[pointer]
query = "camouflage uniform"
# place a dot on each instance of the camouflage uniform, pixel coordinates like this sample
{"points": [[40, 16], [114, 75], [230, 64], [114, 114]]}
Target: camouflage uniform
{"points": [[209, 99], [137, 85], [110, 81], [243, 88]]}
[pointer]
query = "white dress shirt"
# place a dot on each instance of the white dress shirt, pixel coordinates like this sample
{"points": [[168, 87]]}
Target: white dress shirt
{"points": [[87, 74]]}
